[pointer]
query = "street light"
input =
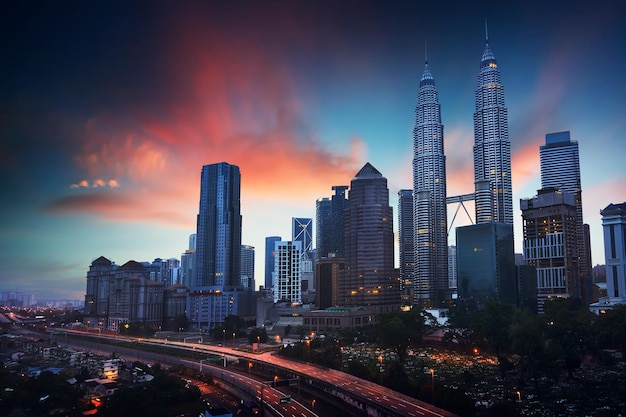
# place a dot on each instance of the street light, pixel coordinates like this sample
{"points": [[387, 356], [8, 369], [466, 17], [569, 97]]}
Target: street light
{"points": [[380, 359], [519, 396], [275, 379], [313, 404], [224, 338], [249, 366], [308, 351], [233, 340], [432, 378]]}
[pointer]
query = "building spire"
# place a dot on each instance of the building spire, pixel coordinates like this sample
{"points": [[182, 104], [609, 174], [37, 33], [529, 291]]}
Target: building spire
{"points": [[486, 33], [425, 53]]}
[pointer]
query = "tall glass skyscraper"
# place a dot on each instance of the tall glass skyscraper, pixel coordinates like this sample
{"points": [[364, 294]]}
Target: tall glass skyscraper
{"points": [[370, 278], [329, 236], [218, 236], [560, 168], [270, 256], [429, 199], [492, 149]]}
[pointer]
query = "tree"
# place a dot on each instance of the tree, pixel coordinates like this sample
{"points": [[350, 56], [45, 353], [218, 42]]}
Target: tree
{"points": [[399, 330], [258, 334]]}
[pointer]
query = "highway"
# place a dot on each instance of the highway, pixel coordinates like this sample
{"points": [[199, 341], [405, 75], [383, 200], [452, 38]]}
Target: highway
{"points": [[370, 398]]}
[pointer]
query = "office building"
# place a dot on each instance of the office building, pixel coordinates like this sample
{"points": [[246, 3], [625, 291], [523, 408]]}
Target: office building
{"points": [[270, 243], [329, 272], [492, 149], [287, 272], [218, 236], [329, 236], [430, 213], [560, 168], [485, 264], [215, 290], [549, 223], [370, 279], [302, 231], [406, 243], [247, 267], [614, 230]]}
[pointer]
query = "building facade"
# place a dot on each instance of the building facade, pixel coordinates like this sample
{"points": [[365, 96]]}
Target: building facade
{"points": [[218, 236], [406, 243], [329, 236], [549, 223], [329, 272], [270, 243], [486, 264], [287, 286], [430, 213], [492, 149], [247, 266], [560, 168], [614, 228], [370, 280]]}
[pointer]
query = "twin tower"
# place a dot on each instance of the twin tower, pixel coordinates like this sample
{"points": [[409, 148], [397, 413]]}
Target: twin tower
{"points": [[492, 176]]}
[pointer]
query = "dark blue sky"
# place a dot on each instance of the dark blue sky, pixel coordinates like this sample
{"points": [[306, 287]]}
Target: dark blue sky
{"points": [[108, 111]]}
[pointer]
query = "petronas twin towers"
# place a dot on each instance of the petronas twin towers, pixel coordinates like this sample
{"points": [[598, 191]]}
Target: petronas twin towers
{"points": [[492, 176]]}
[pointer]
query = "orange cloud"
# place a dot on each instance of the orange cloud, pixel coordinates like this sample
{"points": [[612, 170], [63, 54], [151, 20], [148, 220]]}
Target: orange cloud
{"points": [[235, 104]]}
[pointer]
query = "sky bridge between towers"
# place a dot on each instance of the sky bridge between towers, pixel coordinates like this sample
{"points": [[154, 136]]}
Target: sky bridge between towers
{"points": [[460, 199]]}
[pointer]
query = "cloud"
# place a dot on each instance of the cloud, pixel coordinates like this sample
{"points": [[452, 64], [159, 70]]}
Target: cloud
{"points": [[232, 102]]}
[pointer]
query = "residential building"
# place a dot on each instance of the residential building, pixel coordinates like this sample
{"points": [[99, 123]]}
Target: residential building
{"points": [[287, 272]]}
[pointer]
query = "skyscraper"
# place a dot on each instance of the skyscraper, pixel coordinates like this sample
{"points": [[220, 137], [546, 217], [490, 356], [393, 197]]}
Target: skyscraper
{"points": [[560, 168], [270, 253], [549, 221], [429, 199], [302, 231], [247, 266], [370, 278], [492, 149], [218, 236], [215, 292], [329, 222], [614, 229], [406, 242]]}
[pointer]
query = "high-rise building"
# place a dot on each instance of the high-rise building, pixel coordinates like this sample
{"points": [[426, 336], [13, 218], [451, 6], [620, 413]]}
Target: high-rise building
{"points": [[329, 272], [329, 236], [287, 272], [492, 149], [302, 231], [430, 213], [407, 244], [218, 237], [549, 222], [270, 254], [560, 168], [485, 264], [215, 291], [370, 278], [614, 228], [247, 266]]}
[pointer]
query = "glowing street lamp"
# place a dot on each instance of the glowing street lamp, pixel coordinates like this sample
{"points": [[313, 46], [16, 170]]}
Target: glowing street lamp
{"points": [[519, 396], [432, 377], [380, 360]]}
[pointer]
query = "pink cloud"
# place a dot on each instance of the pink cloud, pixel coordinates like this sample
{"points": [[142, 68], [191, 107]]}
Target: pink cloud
{"points": [[239, 106]]}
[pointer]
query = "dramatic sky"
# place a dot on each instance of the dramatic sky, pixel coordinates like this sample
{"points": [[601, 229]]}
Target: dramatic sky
{"points": [[108, 110]]}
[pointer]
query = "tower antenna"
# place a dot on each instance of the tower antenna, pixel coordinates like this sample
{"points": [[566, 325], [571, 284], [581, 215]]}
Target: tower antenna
{"points": [[486, 32], [425, 53]]}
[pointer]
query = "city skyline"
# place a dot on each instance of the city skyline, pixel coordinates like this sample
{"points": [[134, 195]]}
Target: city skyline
{"points": [[110, 112]]}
